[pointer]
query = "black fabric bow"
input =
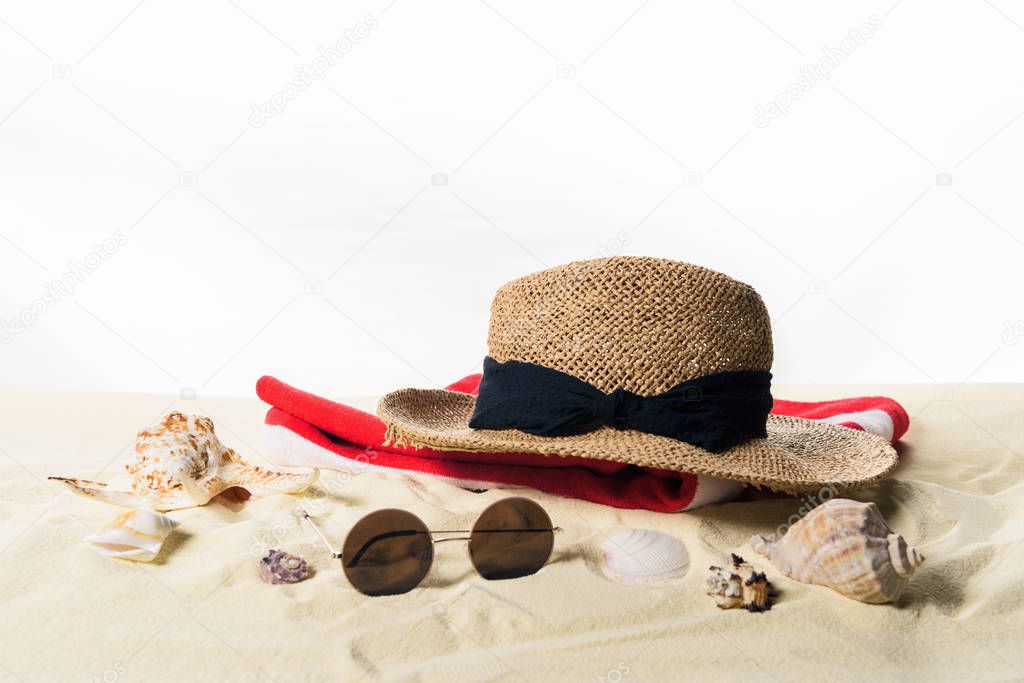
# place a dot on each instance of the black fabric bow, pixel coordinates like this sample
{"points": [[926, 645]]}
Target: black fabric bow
{"points": [[715, 412]]}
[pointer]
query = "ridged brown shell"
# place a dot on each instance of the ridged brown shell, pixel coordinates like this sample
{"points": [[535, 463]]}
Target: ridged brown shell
{"points": [[847, 546]]}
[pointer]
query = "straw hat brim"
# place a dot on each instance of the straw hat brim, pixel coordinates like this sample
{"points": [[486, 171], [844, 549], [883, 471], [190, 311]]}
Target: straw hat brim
{"points": [[798, 456]]}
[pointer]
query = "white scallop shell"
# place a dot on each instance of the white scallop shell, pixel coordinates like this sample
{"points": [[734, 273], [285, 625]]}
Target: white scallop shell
{"points": [[179, 462], [134, 535], [642, 556]]}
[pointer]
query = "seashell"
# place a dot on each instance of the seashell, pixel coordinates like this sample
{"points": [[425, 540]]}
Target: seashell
{"points": [[278, 566], [643, 556], [740, 585], [133, 535], [179, 462], [847, 546]]}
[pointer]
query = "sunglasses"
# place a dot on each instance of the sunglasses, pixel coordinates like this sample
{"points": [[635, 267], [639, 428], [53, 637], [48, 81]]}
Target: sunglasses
{"points": [[389, 552]]}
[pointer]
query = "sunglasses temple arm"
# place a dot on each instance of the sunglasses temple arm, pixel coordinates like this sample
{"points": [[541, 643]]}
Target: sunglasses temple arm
{"points": [[334, 553]]}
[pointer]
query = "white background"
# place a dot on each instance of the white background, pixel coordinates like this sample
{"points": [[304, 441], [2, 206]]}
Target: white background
{"points": [[564, 130]]}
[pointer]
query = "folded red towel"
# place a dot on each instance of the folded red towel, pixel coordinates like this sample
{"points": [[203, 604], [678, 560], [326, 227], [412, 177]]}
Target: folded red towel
{"points": [[305, 430]]}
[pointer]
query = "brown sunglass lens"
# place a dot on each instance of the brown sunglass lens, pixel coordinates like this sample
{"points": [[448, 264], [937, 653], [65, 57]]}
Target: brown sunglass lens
{"points": [[512, 538], [387, 552]]}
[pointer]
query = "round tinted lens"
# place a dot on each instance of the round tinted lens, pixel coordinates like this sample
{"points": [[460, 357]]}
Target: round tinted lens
{"points": [[387, 552], [513, 537]]}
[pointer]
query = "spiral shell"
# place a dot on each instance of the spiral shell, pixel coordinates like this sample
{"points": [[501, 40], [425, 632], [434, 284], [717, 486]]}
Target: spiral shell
{"points": [[278, 566], [180, 462], [847, 546], [643, 556]]}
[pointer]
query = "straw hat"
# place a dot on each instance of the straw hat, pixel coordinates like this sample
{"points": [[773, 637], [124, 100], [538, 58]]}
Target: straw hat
{"points": [[637, 360]]}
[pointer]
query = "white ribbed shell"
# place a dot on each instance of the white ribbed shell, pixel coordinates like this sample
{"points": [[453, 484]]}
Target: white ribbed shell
{"points": [[643, 556]]}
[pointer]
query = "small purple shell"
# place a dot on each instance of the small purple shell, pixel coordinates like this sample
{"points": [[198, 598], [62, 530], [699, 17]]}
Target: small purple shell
{"points": [[278, 566]]}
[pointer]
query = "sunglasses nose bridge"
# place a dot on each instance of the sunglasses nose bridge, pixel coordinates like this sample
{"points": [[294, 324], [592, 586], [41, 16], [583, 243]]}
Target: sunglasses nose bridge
{"points": [[451, 538]]}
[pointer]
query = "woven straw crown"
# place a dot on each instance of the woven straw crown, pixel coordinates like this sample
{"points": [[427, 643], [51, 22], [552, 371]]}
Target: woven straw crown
{"points": [[635, 323]]}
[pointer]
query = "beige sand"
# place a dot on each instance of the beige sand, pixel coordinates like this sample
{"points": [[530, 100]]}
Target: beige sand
{"points": [[201, 613]]}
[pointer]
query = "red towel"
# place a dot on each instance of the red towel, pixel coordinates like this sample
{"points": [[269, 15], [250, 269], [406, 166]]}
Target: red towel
{"points": [[309, 431]]}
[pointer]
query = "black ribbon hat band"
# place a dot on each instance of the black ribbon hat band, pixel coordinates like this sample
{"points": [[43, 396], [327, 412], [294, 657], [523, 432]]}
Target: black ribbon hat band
{"points": [[714, 412]]}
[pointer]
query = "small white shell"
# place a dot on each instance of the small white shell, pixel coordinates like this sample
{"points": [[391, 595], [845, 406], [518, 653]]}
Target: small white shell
{"points": [[134, 535], [642, 556]]}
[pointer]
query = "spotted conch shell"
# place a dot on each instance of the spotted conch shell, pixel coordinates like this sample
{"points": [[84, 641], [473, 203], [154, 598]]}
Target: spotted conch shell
{"points": [[740, 585], [179, 462], [847, 546], [134, 535]]}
